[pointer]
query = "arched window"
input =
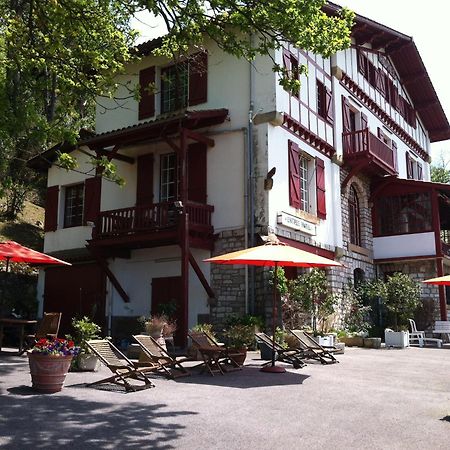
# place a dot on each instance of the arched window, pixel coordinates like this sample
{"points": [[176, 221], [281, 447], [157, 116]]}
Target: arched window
{"points": [[353, 213]]}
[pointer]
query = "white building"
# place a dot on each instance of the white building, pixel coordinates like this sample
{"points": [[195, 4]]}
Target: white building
{"points": [[221, 155]]}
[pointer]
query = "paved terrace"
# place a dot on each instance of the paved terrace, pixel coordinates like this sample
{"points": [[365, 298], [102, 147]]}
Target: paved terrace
{"points": [[373, 399]]}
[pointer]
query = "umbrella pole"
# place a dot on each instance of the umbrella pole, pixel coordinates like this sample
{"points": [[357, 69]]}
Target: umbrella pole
{"points": [[7, 263], [273, 368]]}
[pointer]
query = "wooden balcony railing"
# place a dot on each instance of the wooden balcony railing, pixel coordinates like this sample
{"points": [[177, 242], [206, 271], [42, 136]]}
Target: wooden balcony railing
{"points": [[154, 217], [363, 144]]}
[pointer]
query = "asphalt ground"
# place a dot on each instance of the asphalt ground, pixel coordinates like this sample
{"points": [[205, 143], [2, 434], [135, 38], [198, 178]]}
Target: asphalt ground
{"points": [[372, 399]]}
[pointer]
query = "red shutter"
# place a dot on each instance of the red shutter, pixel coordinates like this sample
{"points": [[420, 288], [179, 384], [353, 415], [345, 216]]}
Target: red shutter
{"points": [[198, 79], [329, 113], [419, 171], [51, 208], [287, 60], [92, 195], [364, 122], [147, 101], [294, 175], [394, 149], [409, 168], [196, 172], [144, 185], [346, 115], [320, 187], [362, 63]]}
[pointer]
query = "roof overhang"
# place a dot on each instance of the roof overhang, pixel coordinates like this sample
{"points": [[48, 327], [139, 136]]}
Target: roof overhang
{"points": [[404, 55]]}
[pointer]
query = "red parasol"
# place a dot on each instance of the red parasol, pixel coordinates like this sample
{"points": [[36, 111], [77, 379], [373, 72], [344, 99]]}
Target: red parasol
{"points": [[439, 281], [273, 254], [11, 251]]}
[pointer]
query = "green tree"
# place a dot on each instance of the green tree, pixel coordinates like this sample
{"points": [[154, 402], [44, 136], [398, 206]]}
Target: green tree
{"points": [[440, 172], [58, 56]]}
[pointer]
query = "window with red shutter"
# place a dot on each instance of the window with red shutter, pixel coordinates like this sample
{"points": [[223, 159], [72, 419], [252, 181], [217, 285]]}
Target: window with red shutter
{"points": [[144, 185], [73, 205], [294, 175], [196, 172], [198, 78], [347, 126], [362, 63], [147, 100], [51, 209], [92, 196], [320, 187], [409, 166], [329, 105], [419, 171]]}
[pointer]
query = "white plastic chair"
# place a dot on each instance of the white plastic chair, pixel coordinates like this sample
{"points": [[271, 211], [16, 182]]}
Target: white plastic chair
{"points": [[416, 335]]}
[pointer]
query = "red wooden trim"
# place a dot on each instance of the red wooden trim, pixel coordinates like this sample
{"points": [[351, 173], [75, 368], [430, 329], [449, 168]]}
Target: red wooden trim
{"points": [[147, 100], [198, 78], [354, 89], [308, 248], [199, 138], [298, 130], [184, 244], [201, 276], [51, 209], [144, 181], [320, 189], [294, 175], [92, 198], [314, 63]]}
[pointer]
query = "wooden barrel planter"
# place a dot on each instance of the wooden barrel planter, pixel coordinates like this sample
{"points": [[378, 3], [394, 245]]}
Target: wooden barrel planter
{"points": [[48, 372]]}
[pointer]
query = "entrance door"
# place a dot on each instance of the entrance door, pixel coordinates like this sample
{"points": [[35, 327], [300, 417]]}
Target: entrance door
{"points": [[167, 299]]}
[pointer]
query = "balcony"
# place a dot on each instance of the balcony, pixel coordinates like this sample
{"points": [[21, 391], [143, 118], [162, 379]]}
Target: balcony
{"points": [[152, 225], [363, 151]]}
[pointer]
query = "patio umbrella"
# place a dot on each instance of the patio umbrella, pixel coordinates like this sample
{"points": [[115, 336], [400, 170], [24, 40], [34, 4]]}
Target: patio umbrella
{"points": [[439, 281], [274, 254], [11, 251]]}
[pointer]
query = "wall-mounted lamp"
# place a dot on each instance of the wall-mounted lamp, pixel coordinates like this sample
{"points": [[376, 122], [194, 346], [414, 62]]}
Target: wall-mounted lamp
{"points": [[268, 181], [178, 204]]}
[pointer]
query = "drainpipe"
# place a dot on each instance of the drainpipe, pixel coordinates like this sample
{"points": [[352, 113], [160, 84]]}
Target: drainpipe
{"points": [[250, 181]]}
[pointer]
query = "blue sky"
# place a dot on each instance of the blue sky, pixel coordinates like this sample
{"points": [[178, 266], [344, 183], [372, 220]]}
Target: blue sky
{"points": [[424, 21]]}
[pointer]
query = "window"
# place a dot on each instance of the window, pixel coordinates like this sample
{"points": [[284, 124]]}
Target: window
{"points": [[168, 179], [324, 102], [409, 213], [304, 182], [354, 217], [321, 109], [414, 169], [174, 87], [73, 206]]}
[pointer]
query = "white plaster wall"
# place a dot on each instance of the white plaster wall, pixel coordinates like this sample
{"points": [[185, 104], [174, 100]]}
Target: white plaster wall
{"points": [[136, 274], [417, 244], [327, 230]]}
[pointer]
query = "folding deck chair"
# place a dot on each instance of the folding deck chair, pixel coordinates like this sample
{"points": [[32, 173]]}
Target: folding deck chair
{"points": [[48, 328], [312, 349], [122, 368], [287, 355], [171, 367], [215, 357]]}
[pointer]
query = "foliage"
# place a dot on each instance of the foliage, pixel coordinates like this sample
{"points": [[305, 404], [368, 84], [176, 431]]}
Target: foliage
{"points": [[282, 281], [58, 56], [401, 297], [257, 322], [356, 315], [205, 328], [311, 292], [280, 337], [159, 324], [85, 330], [240, 336], [57, 347], [440, 173], [18, 292]]}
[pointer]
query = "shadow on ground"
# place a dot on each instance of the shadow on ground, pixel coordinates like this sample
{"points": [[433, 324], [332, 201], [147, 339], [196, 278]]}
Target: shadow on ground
{"points": [[247, 378], [46, 421]]}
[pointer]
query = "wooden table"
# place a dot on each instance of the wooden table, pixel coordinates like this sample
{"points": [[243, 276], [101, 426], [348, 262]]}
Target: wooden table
{"points": [[15, 323]]}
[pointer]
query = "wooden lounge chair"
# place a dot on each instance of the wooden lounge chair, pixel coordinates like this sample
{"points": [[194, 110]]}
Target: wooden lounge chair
{"points": [[48, 327], [122, 368], [157, 355], [312, 348], [215, 357], [287, 355]]}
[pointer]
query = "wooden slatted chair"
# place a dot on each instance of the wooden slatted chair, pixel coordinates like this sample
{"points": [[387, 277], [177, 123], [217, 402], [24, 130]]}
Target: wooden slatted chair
{"points": [[215, 357], [289, 355], [48, 328], [312, 349], [157, 355], [122, 368]]}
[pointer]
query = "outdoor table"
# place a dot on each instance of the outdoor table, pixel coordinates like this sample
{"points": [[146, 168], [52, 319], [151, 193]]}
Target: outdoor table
{"points": [[15, 323]]}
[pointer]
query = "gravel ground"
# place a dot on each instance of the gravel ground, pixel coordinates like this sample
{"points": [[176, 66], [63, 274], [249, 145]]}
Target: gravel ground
{"points": [[373, 399]]}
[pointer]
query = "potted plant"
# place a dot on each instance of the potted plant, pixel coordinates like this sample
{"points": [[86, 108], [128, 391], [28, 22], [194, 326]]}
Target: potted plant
{"points": [[401, 297], [160, 327], [200, 328], [49, 362], [239, 337], [86, 330]]}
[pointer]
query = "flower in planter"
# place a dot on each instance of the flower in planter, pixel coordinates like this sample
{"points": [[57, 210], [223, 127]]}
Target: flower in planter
{"points": [[56, 347]]}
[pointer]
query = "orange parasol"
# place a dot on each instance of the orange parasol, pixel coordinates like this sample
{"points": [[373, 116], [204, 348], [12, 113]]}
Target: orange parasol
{"points": [[273, 254], [439, 281]]}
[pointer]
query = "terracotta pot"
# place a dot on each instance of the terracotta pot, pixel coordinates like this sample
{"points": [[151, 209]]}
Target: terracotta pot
{"points": [[48, 372], [238, 355]]}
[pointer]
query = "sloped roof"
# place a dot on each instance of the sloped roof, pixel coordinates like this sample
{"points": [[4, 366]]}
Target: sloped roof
{"points": [[406, 58]]}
